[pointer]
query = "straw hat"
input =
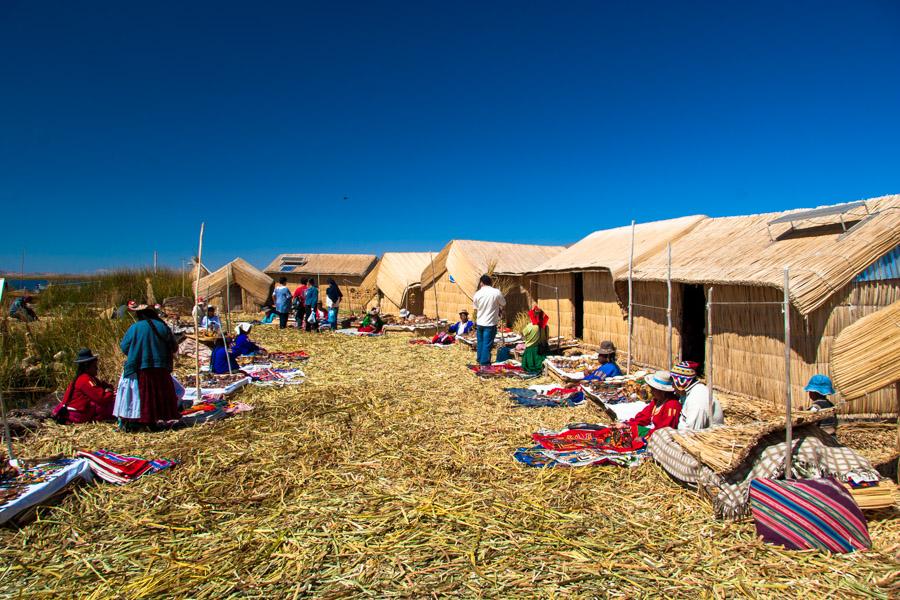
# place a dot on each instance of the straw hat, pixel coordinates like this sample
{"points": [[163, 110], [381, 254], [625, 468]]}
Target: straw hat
{"points": [[661, 380], [607, 347]]}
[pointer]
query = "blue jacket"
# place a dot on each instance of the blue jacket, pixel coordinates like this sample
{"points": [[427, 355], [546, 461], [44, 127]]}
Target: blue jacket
{"points": [[242, 345], [148, 344], [605, 370], [218, 362], [466, 327], [312, 296]]}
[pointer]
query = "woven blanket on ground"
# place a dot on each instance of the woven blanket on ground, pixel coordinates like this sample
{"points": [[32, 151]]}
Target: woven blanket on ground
{"points": [[278, 377], [814, 454], [38, 484], [538, 456], [507, 369], [356, 332], [537, 396], [119, 469], [808, 514], [583, 435], [210, 393]]}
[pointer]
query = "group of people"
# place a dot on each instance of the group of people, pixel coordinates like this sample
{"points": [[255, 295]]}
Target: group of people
{"points": [[305, 305]]}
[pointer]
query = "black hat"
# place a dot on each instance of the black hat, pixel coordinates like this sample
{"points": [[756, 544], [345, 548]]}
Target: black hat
{"points": [[85, 356]]}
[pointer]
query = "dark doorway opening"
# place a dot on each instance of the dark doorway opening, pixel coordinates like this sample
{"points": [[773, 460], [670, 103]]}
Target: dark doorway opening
{"points": [[578, 303], [693, 325]]}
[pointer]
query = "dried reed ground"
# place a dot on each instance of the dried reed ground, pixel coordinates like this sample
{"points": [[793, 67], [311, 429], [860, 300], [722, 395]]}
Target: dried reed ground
{"points": [[389, 473]]}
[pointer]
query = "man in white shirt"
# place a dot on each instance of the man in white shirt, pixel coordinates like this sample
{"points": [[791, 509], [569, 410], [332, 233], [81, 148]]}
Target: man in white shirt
{"points": [[695, 404], [488, 303]]}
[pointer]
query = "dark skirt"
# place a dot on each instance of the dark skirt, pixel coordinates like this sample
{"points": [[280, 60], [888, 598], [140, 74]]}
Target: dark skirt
{"points": [[158, 399]]}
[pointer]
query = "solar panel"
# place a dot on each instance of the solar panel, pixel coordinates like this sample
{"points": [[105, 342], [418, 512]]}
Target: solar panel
{"points": [[287, 268], [815, 213]]}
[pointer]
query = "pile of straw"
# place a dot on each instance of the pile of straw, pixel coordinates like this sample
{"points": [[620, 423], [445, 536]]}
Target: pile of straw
{"points": [[390, 473]]}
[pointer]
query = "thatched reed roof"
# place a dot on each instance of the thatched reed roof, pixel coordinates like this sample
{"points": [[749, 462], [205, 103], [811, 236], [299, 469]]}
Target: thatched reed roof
{"points": [[395, 274], [256, 283], [609, 248], [352, 265], [822, 258], [467, 260], [866, 355]]}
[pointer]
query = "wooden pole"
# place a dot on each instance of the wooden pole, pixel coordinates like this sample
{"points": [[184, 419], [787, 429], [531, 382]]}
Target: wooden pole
{"points": [[196, 318], [228, 297], [9, 447], [669, 306], [630, 297], [788, 429], [437, 315], [558, 334], [709, 353]]}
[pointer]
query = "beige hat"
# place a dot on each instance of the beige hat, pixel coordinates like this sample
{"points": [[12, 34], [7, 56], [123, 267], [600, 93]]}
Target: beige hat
{"points": [[661, 380]]}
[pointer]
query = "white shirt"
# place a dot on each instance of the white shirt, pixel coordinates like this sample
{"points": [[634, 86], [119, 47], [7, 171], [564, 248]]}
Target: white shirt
{"points": [[211, 323], [695, 410], [487, 303]]}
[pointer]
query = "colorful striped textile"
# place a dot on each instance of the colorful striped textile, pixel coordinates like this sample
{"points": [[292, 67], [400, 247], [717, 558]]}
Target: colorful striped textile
{"points": [[118, 468], [806, 514]]}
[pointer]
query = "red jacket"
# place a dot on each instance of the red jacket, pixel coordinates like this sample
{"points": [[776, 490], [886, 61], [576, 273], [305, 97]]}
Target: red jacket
{"points": [[89, 401], [300, 292], [658, 417]]}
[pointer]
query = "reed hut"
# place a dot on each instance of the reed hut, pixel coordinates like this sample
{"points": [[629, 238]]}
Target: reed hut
{"points": [[394, 283], [348, 270], [843, 262], [450, 282], [249, 288], [583, 278]]}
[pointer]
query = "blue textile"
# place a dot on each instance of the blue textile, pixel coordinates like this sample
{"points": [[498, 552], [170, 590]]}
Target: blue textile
{"points": [[466, 327], [218, 362], [312, 296], [148, 344], [534, 399], [282, 297], [605, 370], [243, 345], [486, 337]]}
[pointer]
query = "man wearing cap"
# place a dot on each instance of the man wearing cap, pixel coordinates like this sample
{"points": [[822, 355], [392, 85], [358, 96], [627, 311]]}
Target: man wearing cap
{"points": [[87, 399], [463, 326], [819, 387], [695, 410], [488, 302]]}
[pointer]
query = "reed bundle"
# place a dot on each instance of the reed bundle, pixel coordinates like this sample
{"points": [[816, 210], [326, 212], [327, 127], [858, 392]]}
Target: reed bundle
{"points": [[389, 474], [724, 448], [866, 355]]}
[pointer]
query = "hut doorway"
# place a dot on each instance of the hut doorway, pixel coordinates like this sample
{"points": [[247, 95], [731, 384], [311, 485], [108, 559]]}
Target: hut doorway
{"points": [[578, 304], [693, 325]]}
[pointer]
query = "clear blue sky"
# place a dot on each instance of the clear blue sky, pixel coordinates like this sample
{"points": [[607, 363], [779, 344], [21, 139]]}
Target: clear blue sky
{"points": [[124, 124]]}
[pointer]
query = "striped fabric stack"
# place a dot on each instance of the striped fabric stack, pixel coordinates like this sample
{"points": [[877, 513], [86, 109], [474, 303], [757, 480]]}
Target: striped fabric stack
{"points": [[119, 469]]}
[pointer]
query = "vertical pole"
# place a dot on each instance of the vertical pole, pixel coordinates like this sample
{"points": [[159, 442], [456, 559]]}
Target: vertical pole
{"points": [[788, 429], [669, 306], [558, 334], [630, 297], [437, 315], [196, 319], [228, 297], [155, 261], [227, 354], [182, 277], [9, 447], [709, 353]]}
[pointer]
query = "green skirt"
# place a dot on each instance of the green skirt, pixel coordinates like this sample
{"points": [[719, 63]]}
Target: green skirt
{"points": [[532, 361]]}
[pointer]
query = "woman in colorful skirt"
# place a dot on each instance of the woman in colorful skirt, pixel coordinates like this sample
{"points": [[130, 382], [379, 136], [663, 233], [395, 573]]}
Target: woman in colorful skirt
{"points": [[146, 393]]}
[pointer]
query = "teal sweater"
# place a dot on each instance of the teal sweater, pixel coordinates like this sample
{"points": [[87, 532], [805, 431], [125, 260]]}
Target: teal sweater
{"points": [[145, 349]]}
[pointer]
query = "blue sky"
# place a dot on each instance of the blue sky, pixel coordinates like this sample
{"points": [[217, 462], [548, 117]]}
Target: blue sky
{"points": [[124, 124]]}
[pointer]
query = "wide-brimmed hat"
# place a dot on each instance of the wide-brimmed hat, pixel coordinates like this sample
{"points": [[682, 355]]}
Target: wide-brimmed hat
{"points": [[661, 380], [134, 306], [821, 384], [607, 347], [684, 373], [85, 356], [464, 312]]}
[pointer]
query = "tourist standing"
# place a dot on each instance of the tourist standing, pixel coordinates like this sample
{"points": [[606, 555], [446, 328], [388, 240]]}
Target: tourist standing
{"points": [[333, 296], [282, 298], [312, 299], [299, 305], [488, 303]]}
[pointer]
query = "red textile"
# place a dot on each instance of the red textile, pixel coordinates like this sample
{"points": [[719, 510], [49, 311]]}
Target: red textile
{"points": [[158, 399], [534, 320], [665, 415], [605, 438], [90, 401]]}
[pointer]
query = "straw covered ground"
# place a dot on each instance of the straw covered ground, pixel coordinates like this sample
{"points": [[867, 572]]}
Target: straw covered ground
{"points": [[390, 473]]}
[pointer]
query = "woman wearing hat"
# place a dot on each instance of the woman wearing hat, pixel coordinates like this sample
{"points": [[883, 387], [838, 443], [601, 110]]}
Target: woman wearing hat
{"points": [[243, 345], [695, 413], [664, 408], [819, 388], [463, 326], [87, 399], [146, 391], [608, 367]]}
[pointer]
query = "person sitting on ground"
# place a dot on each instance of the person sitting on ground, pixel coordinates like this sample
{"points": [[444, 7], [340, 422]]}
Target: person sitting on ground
{"points": [[372, 322], [819, 388], [608, 367], [243, 345], [532, 359], [695, 405], [87, 399], [222, 359], [540, 319], [463, 326], [211, 322], [269, 315], [663, 409], [21, 309]]}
